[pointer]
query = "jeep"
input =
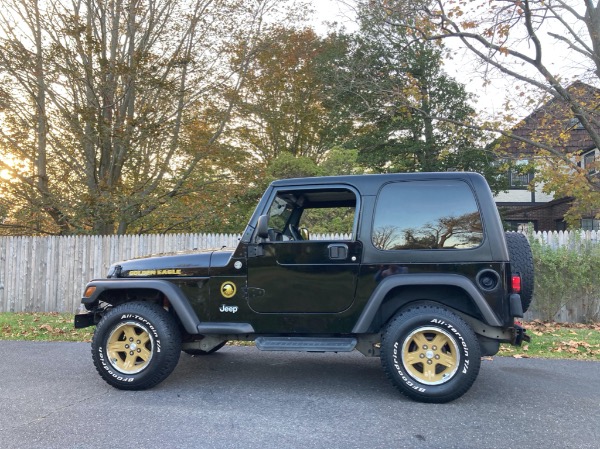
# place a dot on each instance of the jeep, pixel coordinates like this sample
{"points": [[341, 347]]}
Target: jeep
{"points": [[413, 268]]}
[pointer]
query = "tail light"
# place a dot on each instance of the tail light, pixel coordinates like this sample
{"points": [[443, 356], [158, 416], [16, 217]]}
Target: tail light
{"points": [[516, 284]]}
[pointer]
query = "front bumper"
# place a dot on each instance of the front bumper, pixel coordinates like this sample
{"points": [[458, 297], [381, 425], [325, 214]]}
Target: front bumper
{"points": [[84, 320]]}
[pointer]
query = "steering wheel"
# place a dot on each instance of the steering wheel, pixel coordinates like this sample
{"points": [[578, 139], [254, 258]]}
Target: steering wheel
{"points": [[294, 233]]}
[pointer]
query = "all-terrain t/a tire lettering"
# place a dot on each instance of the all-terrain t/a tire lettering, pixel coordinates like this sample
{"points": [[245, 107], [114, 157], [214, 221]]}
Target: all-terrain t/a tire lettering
{"points": [[136, 346], [430, 354]]}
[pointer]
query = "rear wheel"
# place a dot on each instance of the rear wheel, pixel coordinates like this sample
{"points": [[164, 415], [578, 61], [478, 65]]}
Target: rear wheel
{"points": [[430, 354], [136, 346]]}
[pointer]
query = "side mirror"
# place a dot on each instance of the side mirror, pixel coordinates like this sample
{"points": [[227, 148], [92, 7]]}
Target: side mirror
{"points": [[305, 234], [262, 227]]}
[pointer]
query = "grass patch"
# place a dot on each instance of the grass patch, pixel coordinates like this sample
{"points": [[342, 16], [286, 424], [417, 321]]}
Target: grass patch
{"points": [[558, 341], [41, 327], [549, 340]]}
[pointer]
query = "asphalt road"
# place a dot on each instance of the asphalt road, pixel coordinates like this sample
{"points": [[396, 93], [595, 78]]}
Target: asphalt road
{"points": [[52, 397]]}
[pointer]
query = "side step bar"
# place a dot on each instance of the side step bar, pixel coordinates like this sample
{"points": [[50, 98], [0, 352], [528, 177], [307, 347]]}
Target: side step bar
{"points": [[305, 344]]}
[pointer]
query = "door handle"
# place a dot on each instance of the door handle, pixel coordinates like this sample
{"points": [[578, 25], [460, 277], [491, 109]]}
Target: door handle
{"points": [[338, 251]]}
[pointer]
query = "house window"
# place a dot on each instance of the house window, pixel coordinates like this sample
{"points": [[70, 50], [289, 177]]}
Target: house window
{"points": [[589, 160], [590, 224], [520, 225], [519, 180], [520, 175], [574, 123]]}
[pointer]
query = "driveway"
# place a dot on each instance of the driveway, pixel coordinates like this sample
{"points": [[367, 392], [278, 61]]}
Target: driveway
{"points": [[52, 397]]}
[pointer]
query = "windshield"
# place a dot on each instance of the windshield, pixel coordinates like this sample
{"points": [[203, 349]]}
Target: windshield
{"points": [[279, 213]]}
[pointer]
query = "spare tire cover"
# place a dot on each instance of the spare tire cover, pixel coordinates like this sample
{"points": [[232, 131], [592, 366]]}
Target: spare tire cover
{"points": [[521, 262]]}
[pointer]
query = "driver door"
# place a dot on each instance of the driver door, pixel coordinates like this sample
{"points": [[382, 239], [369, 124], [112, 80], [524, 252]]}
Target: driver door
{"points": [[297, 273]]}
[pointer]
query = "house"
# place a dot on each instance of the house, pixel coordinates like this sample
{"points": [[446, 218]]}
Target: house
{"points": [[553, 123]]}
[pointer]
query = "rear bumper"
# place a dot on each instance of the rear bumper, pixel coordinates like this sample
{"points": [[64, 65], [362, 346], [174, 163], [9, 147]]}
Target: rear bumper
{"points": [[519, 335]]}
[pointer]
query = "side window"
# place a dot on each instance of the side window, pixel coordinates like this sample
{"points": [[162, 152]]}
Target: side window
{"points": [[330, 222], [426, 215], [312, 214]]}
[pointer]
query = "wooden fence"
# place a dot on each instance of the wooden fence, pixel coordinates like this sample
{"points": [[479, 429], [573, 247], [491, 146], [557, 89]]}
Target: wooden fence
{"points": [[47, 274]]}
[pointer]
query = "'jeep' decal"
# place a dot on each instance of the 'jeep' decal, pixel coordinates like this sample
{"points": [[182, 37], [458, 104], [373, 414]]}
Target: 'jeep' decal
{"points": [[230, 309]]}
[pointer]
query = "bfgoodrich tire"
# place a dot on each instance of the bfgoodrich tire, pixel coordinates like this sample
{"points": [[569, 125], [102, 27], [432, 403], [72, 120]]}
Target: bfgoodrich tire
{"points": [[521, 262], [430, 354], [136, 346]]}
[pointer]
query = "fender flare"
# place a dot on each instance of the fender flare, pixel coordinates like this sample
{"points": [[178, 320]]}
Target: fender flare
{"points": [[178, 300], [374, 303]]}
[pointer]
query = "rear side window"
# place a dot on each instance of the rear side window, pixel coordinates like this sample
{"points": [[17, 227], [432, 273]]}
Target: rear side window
{"points": [[427, 215]]}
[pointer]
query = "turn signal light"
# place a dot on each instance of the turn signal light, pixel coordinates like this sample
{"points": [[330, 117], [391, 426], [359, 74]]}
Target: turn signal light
{"points": [[516, 284], [89, 292]]}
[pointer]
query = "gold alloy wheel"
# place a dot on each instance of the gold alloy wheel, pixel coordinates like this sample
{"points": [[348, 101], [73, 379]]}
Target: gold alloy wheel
{"points": [[430, 355], [129, 347]]}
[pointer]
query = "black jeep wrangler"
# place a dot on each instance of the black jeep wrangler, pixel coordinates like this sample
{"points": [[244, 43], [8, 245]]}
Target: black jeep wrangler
{"points": [[416, 270]]}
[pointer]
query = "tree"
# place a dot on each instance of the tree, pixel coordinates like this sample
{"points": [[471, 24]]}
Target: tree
{"points": [[285, 102], [97, 100], [406, 106], [519, 40]]}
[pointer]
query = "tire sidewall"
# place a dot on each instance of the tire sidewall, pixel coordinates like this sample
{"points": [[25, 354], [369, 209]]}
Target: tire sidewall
{"points": [[465, 340], [147, 317]]}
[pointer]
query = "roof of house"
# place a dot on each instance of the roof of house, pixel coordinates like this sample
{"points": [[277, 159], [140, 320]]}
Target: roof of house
{"points": [[555, 124]]}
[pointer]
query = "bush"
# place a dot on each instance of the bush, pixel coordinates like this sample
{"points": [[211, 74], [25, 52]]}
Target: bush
{"points": [[567, 276]]}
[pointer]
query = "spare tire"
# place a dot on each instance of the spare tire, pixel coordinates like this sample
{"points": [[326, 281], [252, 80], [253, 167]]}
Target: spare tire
{"points": [[521, 262]]}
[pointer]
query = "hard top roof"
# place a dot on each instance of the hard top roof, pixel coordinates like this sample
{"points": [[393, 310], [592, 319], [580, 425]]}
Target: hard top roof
{"points": [[370, 184]]}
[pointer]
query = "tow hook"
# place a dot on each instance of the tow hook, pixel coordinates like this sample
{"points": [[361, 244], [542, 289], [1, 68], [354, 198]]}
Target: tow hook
{"points": [[520, 335]]}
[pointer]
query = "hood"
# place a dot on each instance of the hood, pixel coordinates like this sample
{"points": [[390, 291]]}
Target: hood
{"points": [[189, 263]]}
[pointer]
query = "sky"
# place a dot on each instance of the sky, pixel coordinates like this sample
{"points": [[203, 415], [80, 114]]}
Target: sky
{"points": [[490, 97], [332, 11]]}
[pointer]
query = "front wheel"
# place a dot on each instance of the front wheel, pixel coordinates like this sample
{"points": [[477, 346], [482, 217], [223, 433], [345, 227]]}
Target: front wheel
{"points": [[430, 354], [136, 346]]}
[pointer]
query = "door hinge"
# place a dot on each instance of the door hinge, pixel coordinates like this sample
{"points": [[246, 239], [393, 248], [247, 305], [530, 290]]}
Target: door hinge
{"points": [[255, 250]]}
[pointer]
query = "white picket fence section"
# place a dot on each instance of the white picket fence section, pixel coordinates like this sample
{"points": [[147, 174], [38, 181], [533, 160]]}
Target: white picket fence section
{"points": [[47, 274], [567, 238]]}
